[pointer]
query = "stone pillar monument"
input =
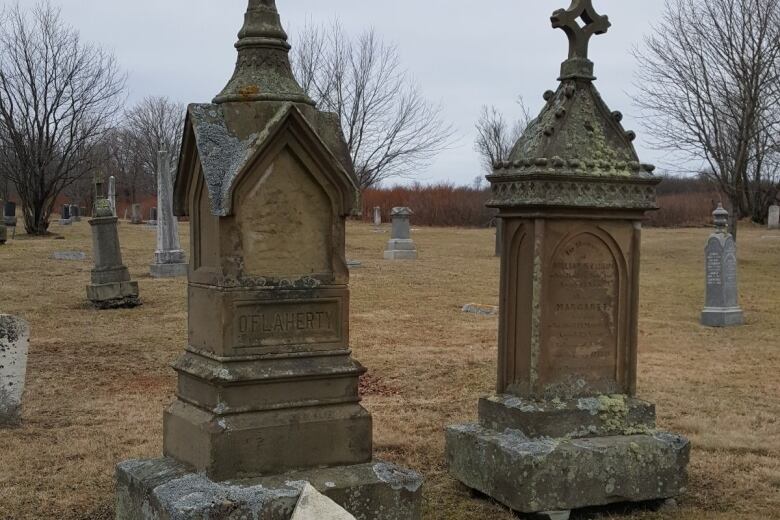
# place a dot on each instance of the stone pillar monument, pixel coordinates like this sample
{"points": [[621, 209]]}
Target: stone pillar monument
{"points": [[401, 246], [564, 429], [774, 217], [112, 194], [377, 216], [722, 294], [268, 391], [169, 259], [14, 344], [111, 286]]}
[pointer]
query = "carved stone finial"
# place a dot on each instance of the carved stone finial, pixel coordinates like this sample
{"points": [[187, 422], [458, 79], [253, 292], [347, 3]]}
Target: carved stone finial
{"points": [[580, 22], [721, 218], [263, 71]]}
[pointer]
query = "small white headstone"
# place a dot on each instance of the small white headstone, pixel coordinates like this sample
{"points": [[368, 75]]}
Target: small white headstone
{"points": [[14, 343], [313, 505]]}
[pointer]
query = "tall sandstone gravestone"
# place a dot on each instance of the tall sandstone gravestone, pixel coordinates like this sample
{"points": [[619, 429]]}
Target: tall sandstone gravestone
{"points": [[722, 291], [14, 344], [564, 430], [110, 285], [169, 258], [268, 392]]}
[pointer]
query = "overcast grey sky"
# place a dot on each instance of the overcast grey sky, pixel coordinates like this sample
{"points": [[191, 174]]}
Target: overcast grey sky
{"points": [[463, 53]]}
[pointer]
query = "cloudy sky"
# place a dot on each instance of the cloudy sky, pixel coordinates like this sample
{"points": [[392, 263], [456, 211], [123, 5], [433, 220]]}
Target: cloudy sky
{"points": [[463, 53]]}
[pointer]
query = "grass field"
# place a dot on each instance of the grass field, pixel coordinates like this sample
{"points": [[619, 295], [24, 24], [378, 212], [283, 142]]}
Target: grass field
{"points": [[98, 381]]}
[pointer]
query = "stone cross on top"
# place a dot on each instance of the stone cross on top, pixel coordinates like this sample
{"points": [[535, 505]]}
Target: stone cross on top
{"points": [[580, 34]]}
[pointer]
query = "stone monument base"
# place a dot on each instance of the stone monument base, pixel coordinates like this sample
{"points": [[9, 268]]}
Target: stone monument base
{"points": [[168, 270], [550, 457], [401, 249], [164, 489], [114, 295], [169, 264], [717, 317]]}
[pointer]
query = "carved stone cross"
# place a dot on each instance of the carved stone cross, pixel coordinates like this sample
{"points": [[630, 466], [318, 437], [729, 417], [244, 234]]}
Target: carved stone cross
{"points": [[580, 34]]}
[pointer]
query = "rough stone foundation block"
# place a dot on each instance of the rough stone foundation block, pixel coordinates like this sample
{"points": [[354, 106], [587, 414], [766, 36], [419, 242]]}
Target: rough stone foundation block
{"points": [[722, 317], [267, 442], [163, 489], [114, 295], [168, 270], [546, 474], [584, 417]]}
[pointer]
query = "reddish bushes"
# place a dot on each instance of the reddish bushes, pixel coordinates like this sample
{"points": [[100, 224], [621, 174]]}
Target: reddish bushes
{"points": [[435, 205], [683, 201]]}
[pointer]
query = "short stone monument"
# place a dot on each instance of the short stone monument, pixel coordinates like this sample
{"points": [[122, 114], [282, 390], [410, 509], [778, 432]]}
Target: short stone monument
{"points": [[75, 213], [152, 217], [110, 286], [135, 215], [65, 219], [112, 194], [14, 343], [722, 293], [774, 217], [377, 216], [169, 258], [268, 391], [9, 217], [401, 246], [565, 430]]}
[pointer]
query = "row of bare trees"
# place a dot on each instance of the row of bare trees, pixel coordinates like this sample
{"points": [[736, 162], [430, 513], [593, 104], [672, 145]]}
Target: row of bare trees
{"points": [[63, 116], [709, 89], [709, 86]]}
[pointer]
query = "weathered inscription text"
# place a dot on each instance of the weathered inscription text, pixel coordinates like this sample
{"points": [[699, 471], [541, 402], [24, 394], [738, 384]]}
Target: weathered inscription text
{"points": [[287, 323]]}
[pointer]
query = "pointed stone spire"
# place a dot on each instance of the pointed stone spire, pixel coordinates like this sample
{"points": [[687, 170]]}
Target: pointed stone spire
{"points": [[263, 71]]}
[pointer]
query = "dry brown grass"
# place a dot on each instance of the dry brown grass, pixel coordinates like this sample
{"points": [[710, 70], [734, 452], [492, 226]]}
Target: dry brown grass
{"points": [[98, 381]]}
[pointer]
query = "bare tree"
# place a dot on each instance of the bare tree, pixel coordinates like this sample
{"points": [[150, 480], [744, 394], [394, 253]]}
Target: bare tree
{"points": [[390, 129], [709, 86], [496, 137], [156, 123], [58, 97]]}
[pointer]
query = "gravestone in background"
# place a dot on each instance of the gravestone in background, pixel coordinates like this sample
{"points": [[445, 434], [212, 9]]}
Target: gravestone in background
{"points": [[169, 258], [722, 292], [401, 246], [774, 217], [110, 286], [564, 429], [112, 194], [65, 219], [135, 215], [377, 216], [75, 213], [268, 391], [14, 343], [152, 217]]}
